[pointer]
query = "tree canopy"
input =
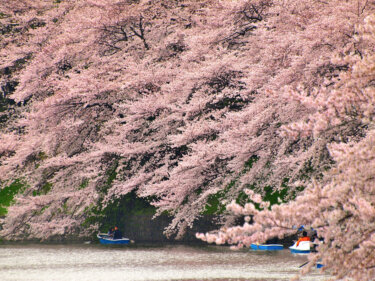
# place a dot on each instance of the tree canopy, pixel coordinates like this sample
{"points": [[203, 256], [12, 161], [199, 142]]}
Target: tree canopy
{"points": [[192, 105]]}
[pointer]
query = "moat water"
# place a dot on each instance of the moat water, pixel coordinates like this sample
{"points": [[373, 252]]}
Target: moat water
{"points": [[94, 262]]}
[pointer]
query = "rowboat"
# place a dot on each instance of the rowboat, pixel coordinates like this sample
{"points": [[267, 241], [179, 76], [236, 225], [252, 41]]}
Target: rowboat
{"points": [[267, 247], [105, 239], [302, 248]]}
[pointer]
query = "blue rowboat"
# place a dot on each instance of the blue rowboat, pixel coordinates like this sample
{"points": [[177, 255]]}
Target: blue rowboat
{"points": [[107, 240], [302, 248], [267, 247]]}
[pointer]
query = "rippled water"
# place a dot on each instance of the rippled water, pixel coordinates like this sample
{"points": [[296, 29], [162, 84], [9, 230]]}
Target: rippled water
{"points": [[135, 262]]}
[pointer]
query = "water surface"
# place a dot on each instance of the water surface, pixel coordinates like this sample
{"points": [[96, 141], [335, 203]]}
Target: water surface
{"points": [[140, 262]]}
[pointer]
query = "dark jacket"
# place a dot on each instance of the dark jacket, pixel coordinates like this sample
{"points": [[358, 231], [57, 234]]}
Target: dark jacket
{"points": [[117, 234]]}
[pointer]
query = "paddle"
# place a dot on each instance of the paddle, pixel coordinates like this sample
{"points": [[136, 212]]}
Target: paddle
{"points": [[303, 264]]}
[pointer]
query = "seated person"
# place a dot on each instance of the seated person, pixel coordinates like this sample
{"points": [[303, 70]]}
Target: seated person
{"points": [[110, 232], [315, 241], [117, 234], [303, 238]]}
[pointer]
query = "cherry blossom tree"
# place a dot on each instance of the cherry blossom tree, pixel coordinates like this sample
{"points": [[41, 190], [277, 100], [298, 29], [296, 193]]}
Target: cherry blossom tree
{"points": [[341, 206], [187, 103]]}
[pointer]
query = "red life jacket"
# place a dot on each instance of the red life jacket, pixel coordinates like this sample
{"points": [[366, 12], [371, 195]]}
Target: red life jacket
{"points": [[306, 238]]}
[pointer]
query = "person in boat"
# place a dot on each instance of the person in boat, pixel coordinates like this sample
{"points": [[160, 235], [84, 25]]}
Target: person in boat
{"points": [[303, 238], [316, 241], [110, 232], [117, 233]]}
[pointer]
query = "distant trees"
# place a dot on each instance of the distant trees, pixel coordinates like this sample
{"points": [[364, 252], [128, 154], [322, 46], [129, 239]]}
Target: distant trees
{"points": [[188, 103]]}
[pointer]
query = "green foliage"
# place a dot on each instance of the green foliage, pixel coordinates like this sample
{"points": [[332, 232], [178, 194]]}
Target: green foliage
{"points": [[8, 193], [274, 196], [36, 24], [214, 203], [4, 105], [65, 208], [111, 175], [84, 184], [92, 215], [42, 156], [41, 211], [115, 212], [249, 163], [43, 190], [3, 16]]}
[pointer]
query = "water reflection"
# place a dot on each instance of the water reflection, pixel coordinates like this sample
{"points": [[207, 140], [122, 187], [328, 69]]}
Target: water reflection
{"points": [[142, 262]]}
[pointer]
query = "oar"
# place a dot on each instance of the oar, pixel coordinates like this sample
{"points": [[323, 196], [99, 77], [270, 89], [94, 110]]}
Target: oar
{"points": [[303, 264]]}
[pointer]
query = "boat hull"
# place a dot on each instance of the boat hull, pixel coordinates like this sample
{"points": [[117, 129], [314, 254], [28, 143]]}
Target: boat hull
{"points": [[294, 251], [267, 247], [302, 248], [106, 240]]}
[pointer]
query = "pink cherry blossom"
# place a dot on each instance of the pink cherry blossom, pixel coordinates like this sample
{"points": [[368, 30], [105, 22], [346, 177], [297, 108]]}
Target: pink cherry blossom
{"points": [[186, 101]]}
